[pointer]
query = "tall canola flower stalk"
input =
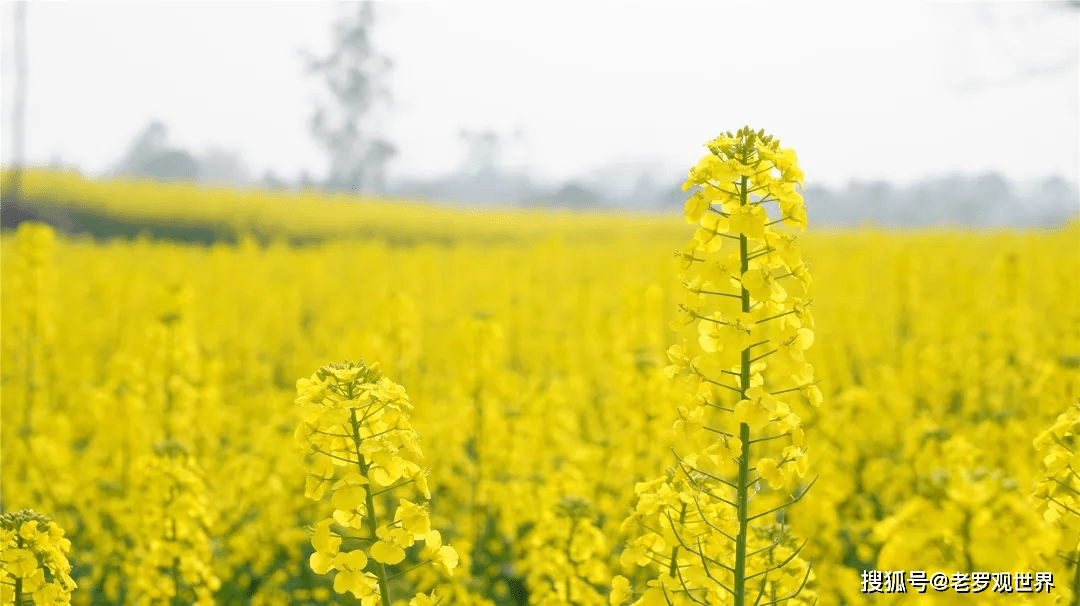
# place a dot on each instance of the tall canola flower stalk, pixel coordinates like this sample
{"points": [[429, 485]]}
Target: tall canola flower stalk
{"points": [[363, 451], [713, 530]]}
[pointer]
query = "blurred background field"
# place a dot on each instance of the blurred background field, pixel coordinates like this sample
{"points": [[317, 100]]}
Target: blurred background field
{"points": [[186, 212], [532, 346]]}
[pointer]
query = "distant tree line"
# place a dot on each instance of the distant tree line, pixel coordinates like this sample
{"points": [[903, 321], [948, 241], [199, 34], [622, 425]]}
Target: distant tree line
{"points": [[151, 155], [986, 200]]}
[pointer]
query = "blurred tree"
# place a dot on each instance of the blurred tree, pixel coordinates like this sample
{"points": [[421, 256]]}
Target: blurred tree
{"points": [[574, 196], [271, 180], [355, 74], [151, 156], [1027, 41], [170, 165], [152, 141], [219, 166], [483, 149], [307, 181]]}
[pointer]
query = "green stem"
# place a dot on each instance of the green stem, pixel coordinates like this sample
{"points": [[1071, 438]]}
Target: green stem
{"points": [[570, 559], [170, 537], [168, 396], [18, 580], [1076, 579], [742, 497], [26, 431], [380, 568], [742, 507], [474, 490], [673, 566], [965, 535], [31, 384]]}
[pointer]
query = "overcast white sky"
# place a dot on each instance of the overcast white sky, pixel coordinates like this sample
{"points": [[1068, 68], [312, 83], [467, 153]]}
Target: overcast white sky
{"points": [[865, 90]]}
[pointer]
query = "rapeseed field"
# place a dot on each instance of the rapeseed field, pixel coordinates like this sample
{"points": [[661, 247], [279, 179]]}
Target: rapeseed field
{"points": [[342, 400]]}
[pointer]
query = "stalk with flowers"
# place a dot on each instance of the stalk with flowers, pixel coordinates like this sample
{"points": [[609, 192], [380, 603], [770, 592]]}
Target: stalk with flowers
{"points": [[361, 447], [170, 561], [1058, 492], [713, 529]]}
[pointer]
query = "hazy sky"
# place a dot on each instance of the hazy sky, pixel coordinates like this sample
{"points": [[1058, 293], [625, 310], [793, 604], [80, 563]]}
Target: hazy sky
{"points": [[862, 90]]}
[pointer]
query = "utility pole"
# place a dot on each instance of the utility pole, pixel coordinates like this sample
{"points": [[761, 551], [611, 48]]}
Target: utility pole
{"points": [[18, 114]]}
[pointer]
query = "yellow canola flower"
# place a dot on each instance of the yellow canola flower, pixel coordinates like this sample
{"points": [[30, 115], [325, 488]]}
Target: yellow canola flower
{"points": [[696, 206], [436, 552], [326, 545], [719, 333], [762, 286], [390, 548], [423, 599], [770, 472], [749, 220], [349, 498], [413, 518], [620, 590], [363, 585]]}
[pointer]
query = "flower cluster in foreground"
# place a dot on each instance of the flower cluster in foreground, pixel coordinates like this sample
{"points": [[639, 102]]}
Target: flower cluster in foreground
{"points": [[34, 560], [362, 448]]}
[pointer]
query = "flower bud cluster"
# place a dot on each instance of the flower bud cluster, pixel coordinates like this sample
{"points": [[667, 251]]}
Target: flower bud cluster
{"points": [[34, 560]]}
